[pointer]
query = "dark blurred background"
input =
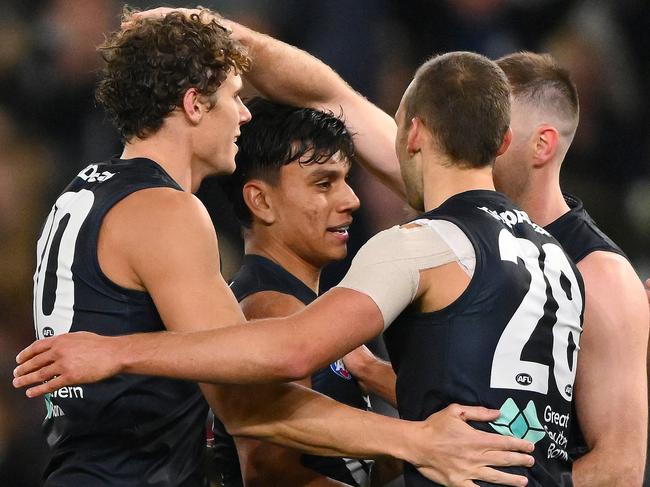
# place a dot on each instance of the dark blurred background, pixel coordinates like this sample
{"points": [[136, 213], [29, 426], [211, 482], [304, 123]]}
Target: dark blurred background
{"points": [[50, 126]]}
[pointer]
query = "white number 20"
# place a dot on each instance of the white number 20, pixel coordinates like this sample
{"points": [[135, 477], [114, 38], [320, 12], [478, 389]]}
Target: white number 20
{"points": [[508, 370]]}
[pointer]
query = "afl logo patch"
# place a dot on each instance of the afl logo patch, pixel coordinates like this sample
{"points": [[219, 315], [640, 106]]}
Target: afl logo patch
{"points": [[339, 369], [524, 379]]}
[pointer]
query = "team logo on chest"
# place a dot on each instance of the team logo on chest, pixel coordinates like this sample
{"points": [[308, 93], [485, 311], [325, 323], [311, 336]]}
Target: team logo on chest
{"points": [[339, 369]]}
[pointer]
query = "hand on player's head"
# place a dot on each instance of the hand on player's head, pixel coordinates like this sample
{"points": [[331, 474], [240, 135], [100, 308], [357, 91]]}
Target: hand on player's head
{"points": [[460, 453], [157, 13], [65, 360]]}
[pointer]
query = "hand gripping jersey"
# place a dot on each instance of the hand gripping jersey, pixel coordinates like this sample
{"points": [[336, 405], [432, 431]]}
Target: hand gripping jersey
{"points": [[579, 236], [509, 342], [130, 430], [259, 274]]}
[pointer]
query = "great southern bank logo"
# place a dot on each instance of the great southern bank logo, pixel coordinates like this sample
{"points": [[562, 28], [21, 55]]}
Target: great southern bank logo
{"points": [[339, 369], [520, 424]]}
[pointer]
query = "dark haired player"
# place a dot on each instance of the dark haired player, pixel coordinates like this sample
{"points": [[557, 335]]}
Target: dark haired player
{"points": [[611, 380], [128, 248], [290, 194]]}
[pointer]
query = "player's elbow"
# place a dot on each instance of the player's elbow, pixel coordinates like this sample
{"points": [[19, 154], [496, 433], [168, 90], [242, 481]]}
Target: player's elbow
{"points": [[298, 365], [298, 360]]}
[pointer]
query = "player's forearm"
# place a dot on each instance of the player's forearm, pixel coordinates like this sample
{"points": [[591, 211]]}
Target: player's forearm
{"points": [[296, 417], [608, 469], [217, 356], [313, 423], [378, 378], [286, 74], [289, 75]]}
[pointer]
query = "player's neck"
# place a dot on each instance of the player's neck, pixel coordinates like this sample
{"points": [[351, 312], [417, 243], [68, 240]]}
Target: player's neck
{"points": [[276, 251], [174, 157], [442, 182], [543, 199]]}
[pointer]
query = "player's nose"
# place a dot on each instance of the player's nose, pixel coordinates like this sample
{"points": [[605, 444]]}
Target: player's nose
{"points": [[349, 201]]}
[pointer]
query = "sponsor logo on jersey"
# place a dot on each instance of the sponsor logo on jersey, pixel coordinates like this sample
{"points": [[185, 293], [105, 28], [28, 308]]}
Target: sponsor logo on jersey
{"points": [[92, 174], [48, 332], [69, 392], [520, 424], [52, 410], [514, 217], [339, 369]]}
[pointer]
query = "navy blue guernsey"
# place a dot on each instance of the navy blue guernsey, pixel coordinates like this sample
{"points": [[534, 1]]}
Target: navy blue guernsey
{"points": [[259, 274], [579, 236], [509, 342], [130, 430]]}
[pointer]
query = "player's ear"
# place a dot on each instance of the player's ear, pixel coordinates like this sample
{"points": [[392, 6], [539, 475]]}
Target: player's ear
{"points": [[415, 135], [257, 197], [193, 107], [546, 144], [507, 139]]}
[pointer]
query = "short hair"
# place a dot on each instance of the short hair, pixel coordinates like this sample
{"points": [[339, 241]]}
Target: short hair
{"points": [[278, 135], [150, 65], [463, 98], [539, 79]]}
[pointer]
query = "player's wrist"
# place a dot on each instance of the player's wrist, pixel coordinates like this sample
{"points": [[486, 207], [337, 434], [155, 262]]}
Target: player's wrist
{"points": [[123, 357], [402, 445]]}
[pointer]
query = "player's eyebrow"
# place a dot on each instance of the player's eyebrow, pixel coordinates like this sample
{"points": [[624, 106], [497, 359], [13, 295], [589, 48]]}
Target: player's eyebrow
{"points": [[323, 172]]}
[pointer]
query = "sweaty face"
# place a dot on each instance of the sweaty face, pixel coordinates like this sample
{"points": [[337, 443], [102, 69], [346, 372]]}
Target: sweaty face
{"points": [[220, 127], [313, 205], [512, 169], [410, 169]]}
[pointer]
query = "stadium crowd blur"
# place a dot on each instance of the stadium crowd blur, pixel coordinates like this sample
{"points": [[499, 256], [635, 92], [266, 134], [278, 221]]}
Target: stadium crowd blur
{"points": [[50, 126]]}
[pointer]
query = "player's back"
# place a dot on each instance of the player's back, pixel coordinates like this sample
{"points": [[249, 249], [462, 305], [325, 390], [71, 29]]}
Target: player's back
{"points": [[128, 430], [259, 274], [509, 342]]}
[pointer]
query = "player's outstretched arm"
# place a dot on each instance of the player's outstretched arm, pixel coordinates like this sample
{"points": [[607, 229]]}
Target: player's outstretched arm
{"points": [[289, 75], [611, 380], [276, 349]]}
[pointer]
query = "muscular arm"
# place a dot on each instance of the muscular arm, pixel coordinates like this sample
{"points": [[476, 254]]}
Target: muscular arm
{"points": [[611, 380], [262, 463], [289, 75]]}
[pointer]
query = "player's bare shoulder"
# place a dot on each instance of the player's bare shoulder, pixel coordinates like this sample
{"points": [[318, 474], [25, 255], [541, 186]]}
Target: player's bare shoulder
{"points": [[148, 224]]}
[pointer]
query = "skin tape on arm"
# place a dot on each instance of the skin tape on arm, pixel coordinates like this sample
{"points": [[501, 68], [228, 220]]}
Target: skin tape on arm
{"points": [[387, 268]]}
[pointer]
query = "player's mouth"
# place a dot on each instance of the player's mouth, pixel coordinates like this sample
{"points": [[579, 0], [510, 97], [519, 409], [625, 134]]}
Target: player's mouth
{"points": [[341, 231]]}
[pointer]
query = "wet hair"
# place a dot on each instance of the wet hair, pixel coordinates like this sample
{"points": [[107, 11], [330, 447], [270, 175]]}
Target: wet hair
{"points": [[540, 80], [278, 135], [463, 98], [150, 65]]}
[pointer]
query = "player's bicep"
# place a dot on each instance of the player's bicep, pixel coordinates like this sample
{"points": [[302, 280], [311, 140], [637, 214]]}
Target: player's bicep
{"points": [[613, 353], [388, 267]]}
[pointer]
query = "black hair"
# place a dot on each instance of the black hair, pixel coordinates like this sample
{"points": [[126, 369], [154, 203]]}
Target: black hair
{"points": [[278, 135]]}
